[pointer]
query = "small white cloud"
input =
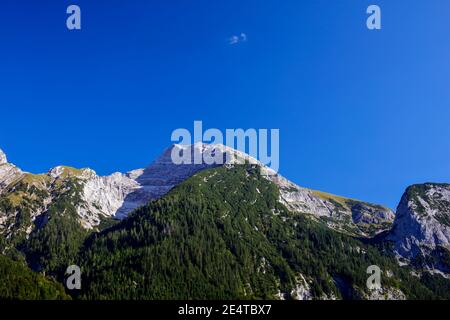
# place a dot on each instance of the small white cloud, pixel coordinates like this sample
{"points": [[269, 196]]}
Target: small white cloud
{"points": [[233, 40], [236, 39]]}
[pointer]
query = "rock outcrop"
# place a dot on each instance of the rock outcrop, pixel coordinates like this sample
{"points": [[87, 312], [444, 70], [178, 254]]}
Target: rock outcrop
{"points": [[422, 223], [8, 172], [3, 159], [343, 214]]}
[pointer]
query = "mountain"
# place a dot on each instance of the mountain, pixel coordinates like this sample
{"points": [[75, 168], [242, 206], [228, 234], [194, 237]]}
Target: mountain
{"points": [[99, 198], [231, 230], [422, 225], [224, 234]]}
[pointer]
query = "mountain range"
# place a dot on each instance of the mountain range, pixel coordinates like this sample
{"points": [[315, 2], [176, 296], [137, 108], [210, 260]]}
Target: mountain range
{"points": [[199, 231]]}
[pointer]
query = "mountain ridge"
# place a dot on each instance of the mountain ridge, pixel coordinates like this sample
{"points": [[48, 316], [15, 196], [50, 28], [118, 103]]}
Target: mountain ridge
{"points": [[118, 194]]}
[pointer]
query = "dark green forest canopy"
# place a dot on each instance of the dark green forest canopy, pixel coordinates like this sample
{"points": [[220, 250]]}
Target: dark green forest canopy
{"points": [[19, 283]]}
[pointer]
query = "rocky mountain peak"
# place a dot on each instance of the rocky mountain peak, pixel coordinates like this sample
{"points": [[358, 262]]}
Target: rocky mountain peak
{"points": [[3, 159], [8, 172], [422, 223]]}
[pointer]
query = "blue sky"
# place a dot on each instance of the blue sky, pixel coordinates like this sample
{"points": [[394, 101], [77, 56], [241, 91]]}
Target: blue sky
{"points": [[361, 113]]}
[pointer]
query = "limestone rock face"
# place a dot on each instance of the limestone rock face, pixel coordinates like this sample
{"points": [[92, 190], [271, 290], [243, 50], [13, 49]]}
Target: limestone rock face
{"points": [[386, 294], [119, 194], [3, 159], [8, 172], [422, 223], [342, 214]]}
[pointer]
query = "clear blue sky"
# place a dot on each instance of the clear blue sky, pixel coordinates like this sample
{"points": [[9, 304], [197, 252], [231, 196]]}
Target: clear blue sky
{"points": [[360, 113]]}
